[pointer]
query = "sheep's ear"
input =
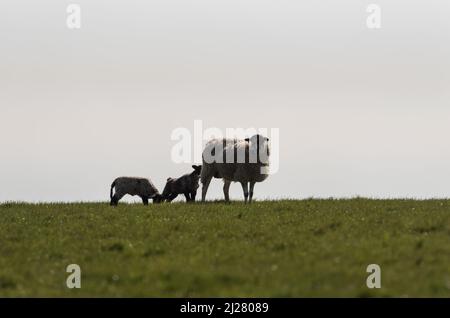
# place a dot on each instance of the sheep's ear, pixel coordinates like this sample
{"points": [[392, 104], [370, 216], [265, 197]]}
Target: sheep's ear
{"points": [[194, 167], [247, 139]]}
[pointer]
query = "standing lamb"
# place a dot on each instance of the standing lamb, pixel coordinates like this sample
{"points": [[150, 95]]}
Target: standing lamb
{"points": [[186, 184], [245, 161], [134, 186]]}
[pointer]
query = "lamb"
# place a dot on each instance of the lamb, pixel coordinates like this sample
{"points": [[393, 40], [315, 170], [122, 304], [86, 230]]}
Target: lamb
{"points": [[134, 186], [186, 184], [245, 161]]}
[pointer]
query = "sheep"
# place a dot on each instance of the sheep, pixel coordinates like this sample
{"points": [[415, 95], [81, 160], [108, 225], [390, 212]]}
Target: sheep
{"points": [[186, 184], [245, 161], [134, 186]]}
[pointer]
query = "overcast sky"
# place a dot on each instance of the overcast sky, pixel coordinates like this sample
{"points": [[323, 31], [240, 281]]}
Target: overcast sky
{"points": [[360, 111]]}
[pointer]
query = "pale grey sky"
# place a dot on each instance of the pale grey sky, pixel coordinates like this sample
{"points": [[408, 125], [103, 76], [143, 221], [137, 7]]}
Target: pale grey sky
{"points": [[360, 112]]}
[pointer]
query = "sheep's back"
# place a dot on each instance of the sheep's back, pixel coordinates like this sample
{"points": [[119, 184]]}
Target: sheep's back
{"points": [[185, 183], [135, 186]]}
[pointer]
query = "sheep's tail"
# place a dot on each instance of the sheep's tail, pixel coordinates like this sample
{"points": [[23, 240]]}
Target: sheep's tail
{"points": [[112, 187]]}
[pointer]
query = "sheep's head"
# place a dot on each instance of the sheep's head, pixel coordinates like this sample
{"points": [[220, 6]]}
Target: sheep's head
{"points": [[167, 189], [260, 144], [157, 198], [197, 169]]}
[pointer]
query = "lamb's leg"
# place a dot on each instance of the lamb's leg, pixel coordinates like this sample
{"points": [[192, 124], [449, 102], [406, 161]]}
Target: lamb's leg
{"points": [[193, 195], [252, 186], [245, 188], [205, 186], [172, 197], [116, 198], [226, 190], [144, 200], [186, 195]]}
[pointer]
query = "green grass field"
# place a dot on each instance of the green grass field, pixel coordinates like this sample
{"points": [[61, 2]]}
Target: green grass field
{"points": [[267, 249]]}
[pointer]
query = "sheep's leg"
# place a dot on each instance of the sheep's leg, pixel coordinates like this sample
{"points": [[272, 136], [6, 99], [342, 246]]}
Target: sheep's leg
{"points": [[245, 188], [193, 194], [205, 186], [144, 200], [186, 195], [226, 190], [172, 197], [116, 198], [252, 186]]}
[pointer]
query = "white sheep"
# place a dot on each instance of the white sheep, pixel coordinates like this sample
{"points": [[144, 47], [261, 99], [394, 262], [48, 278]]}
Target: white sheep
{"points": [[245, 161], [134, 186]]}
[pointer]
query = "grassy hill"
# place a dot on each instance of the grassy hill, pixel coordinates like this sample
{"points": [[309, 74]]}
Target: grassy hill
{"points": [[268, 249]]}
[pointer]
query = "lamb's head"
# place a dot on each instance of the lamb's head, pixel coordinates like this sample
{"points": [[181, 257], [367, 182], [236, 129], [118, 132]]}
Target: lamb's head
{"points": [[197, 169], [157, 198], [260, 145], [167, 189]]}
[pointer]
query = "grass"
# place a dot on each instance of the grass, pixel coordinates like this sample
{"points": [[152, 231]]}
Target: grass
{"points": [[268, 249]]}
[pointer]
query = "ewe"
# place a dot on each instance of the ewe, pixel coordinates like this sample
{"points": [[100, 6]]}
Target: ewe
{"points": [[245, 161]]}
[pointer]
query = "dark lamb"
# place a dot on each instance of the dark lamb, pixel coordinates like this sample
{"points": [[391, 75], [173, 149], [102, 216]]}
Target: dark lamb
{"points": [[186, 184]]}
